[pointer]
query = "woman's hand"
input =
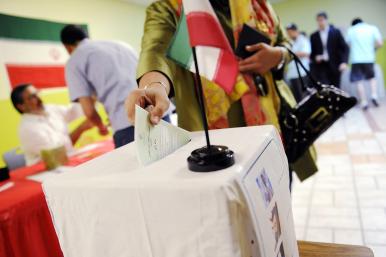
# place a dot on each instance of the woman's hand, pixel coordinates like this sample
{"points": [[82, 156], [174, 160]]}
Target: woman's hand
{"points": [[152, 94], [263, 60]]}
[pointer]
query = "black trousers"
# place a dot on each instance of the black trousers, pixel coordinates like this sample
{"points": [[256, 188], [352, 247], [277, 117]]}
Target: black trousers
{"points": [[326, 74]]}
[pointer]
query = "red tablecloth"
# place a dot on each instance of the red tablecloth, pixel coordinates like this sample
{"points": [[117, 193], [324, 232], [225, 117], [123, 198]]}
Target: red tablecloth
{"points": [[26, 227]]}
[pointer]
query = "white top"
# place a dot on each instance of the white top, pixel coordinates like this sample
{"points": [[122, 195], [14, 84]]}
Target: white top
{"points": [[324, 37], [39, 132], [301, 44], [362, 39]]}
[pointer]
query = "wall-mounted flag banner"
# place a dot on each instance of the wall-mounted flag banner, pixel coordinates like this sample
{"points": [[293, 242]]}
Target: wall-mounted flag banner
{"points": [[31, 52], [199, 27]]}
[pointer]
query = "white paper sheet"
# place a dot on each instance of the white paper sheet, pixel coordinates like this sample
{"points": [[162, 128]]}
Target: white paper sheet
{"points": [[155, 142], [6, 186]]}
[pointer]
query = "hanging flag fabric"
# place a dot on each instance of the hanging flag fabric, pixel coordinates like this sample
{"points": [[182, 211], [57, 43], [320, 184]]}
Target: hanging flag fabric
{"points": [[31, 52], [200, 28]]}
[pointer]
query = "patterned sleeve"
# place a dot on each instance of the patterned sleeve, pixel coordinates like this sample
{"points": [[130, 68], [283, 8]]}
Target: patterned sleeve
{"points": [[160, 26]]}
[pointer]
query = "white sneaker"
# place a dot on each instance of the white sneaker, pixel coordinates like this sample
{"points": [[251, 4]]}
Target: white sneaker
{"points": [[364, 105]]}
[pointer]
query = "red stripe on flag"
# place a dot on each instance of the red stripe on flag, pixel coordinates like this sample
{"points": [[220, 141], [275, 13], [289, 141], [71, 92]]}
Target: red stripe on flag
{"points": [[205, 30], [39, 75], [227, 67]]}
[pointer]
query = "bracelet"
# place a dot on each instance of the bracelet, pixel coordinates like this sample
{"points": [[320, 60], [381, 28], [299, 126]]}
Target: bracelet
{"points": [[282, 61], [157, 82]]}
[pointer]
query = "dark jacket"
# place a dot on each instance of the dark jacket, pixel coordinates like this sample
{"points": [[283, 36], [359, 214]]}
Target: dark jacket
{"points": [[336, 47]]}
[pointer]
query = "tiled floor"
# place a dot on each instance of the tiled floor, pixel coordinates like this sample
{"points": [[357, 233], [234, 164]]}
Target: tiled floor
{"points": [[345, 202]]}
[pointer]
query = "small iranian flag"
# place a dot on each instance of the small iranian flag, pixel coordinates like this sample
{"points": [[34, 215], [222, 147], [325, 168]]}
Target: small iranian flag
{"points": [[200, 28], [31, 52]]}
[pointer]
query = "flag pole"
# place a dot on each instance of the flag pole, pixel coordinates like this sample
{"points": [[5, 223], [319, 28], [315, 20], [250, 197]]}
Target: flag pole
{"points": [[210, 157], [201, 97]]}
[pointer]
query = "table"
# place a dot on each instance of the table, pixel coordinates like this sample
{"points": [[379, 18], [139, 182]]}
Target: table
{"points": [[313, 249], [26, 228]]}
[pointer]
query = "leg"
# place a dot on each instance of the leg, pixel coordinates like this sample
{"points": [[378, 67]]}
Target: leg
{"points": [[362, 94], [374, 91], [123, 136]]}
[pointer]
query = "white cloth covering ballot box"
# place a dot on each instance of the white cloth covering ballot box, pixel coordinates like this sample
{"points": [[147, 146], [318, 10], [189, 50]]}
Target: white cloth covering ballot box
{"points": [[112, 207]]}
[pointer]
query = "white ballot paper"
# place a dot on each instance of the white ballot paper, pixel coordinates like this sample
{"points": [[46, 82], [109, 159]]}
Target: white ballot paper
{"points": [[155, 142]]}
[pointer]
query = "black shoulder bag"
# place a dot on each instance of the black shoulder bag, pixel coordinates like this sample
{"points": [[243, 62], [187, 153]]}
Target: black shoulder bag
{"points": [[303, 124]]}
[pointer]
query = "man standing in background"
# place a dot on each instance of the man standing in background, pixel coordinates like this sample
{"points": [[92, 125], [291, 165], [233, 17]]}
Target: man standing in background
{"points": [[363, 40], [329, 52], [105, 69], [301, 47]]}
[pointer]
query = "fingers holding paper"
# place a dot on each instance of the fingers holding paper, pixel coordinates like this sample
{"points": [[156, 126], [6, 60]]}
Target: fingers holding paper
{"points": [[154, 99]]}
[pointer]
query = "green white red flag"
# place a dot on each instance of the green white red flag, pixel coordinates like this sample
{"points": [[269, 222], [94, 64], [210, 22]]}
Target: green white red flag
{"points": [[199, 27]]}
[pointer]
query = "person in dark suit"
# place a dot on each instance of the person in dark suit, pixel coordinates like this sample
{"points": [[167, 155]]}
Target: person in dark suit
{"points": [[329, 52]]}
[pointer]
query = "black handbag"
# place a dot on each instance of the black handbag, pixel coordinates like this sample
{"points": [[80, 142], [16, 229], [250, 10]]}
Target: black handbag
{"points": [[317, 111]]}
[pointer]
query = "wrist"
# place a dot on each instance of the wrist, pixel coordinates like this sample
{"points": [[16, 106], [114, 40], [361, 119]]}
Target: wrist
{"points": [[157, 84]]}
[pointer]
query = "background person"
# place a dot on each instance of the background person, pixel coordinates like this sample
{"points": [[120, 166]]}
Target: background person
{"points": [[363, 40], [43, 126], [329, 52], [302, 48], [106, 69]]}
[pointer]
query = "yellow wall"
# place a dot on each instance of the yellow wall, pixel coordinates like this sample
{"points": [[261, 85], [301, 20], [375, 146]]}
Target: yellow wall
{"points": [[106, 19]]}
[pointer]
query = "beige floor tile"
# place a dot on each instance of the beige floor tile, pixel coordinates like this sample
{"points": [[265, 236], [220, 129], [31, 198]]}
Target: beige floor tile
{"points": [[319, 235], [348, 236], [375, 237], [322, 198], [334, 222], [373, 218], [344, 198], [372, 197], [334, 211]]}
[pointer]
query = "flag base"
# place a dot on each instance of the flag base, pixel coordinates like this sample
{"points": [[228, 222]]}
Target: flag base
{"points": [[216, 157]]}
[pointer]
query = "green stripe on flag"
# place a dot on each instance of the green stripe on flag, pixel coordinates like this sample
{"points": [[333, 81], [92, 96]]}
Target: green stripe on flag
{"points": [[179, 49], [14, 27]]}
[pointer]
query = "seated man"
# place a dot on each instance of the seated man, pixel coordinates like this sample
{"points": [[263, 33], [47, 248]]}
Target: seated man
{"points": [[44, 126]]}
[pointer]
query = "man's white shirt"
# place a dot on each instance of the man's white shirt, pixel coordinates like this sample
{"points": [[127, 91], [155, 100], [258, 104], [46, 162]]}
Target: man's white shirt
{"points": [[324, 37], [41, 132]]}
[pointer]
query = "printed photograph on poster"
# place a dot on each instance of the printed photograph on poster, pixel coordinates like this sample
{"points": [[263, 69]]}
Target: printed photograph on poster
{"points": [[281, 251], [276, 228], [265, 186]]}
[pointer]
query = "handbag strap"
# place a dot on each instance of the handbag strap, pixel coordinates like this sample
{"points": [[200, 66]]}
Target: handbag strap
{"points": [[308, 73]]}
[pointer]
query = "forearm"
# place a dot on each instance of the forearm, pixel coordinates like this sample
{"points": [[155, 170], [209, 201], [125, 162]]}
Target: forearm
{"points": [[154, 77], [94, 118], [75, 135]]}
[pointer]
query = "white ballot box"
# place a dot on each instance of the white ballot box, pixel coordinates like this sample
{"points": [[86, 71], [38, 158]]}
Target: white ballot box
{"points": [[113, 207]]}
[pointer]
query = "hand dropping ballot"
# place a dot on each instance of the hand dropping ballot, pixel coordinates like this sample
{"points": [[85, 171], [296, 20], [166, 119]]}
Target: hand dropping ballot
{"points": [[154, 142]]}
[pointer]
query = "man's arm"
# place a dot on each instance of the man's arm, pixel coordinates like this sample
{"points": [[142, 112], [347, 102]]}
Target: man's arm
{"points": [[91, 113], [75, 135]]}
